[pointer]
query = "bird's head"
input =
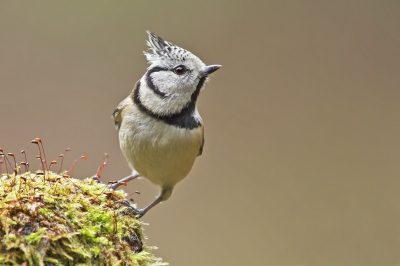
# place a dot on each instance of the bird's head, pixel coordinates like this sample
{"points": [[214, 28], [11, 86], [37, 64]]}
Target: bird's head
{"points": [[173, 69], [173, 80]]}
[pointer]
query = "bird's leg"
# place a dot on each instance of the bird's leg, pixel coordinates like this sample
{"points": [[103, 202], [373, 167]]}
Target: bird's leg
{"points": [[165, 194], [124, 180], [143, 211]]}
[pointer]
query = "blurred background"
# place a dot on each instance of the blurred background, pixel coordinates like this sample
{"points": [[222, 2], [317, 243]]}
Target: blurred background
{"points": [[301, 161]]}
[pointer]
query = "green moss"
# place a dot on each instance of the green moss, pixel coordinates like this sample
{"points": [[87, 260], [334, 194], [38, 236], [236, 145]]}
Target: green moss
{"points": [[56, 220], [33, 238]]}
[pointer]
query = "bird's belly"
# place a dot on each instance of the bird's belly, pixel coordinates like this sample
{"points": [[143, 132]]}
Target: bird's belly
{"points": [[162, 153]]}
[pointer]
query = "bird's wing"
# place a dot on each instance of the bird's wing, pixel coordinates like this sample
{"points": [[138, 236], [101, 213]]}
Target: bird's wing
{"points": [[202, 144], [116, 115]]}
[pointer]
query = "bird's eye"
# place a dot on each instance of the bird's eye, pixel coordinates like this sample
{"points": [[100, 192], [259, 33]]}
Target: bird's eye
{"points": [[180, 70]]}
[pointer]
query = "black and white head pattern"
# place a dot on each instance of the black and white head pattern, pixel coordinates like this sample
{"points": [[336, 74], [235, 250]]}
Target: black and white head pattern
{"points": [[169, 89]]}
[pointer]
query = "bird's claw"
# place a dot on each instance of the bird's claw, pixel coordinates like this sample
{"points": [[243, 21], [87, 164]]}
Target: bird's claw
{"points": [[136, 212], [115, 185]]}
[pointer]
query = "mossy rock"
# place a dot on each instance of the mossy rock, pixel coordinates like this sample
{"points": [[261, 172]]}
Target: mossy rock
{"points": [[52, 219]]}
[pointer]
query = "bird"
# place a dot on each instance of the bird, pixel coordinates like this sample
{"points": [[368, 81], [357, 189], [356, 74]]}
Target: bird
{"points": [[160, 130]]}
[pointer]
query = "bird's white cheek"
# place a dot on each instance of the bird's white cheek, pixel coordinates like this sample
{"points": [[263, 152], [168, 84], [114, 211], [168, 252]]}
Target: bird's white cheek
{"points": [[173, 103]]}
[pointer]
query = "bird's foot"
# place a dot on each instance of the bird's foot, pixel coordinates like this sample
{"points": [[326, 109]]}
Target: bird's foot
{"points": [[123, 181], [114, 185], [138, 213]]}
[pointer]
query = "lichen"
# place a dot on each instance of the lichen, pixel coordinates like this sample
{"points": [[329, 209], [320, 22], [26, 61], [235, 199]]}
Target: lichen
{"points": [[52, 219]]}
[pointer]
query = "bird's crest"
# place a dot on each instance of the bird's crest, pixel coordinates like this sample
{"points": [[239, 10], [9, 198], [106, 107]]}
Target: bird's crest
{"points": [[162, 49]]}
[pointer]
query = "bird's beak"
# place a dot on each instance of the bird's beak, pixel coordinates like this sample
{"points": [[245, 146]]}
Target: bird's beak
{"points": [[210, 69]]}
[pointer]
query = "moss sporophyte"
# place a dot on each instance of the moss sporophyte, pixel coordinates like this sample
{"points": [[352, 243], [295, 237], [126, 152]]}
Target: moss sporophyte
{"points": [[51, 218]]}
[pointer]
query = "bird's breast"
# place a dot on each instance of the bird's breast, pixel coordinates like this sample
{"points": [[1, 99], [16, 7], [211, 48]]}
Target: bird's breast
{"points": [[160, 152]]}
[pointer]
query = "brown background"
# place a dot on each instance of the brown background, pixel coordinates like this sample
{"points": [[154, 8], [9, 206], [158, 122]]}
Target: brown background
{"points": [[301, 163]]}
